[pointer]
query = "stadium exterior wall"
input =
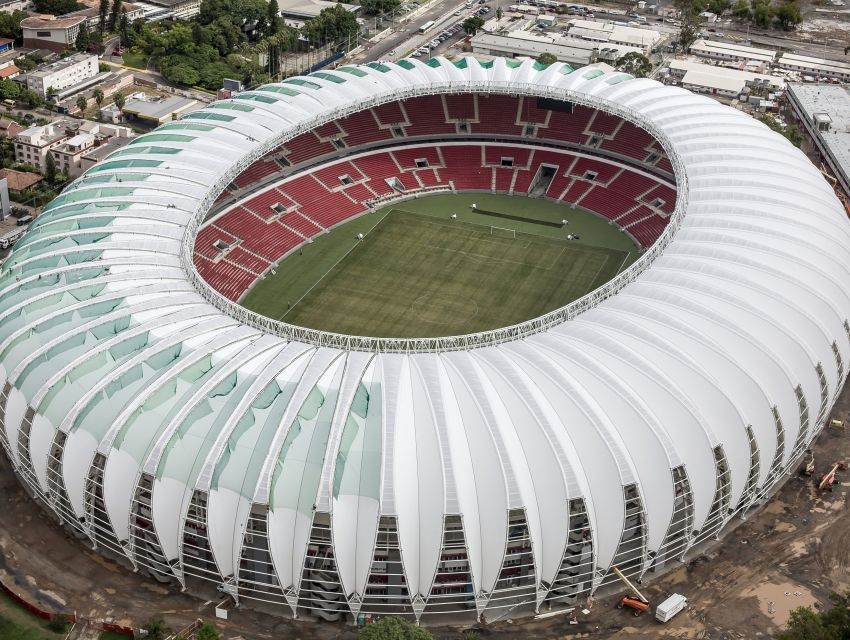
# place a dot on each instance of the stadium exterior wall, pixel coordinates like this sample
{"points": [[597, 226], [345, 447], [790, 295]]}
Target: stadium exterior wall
{"points": [[338, 475]]}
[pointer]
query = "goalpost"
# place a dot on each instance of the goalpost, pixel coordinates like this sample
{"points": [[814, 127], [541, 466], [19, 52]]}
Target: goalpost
{"points": [[503, 232]]}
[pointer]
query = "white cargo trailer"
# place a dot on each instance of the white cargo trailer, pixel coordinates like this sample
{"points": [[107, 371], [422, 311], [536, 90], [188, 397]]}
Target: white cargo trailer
{"points": [[670, 607]]}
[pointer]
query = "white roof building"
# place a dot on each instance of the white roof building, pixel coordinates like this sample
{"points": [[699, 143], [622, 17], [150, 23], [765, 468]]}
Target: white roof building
{"points": [[610, 33], [180, 430], [704, 78], [816, 67], [517, 44], [62, 74], [824, 112], [732, 52]]}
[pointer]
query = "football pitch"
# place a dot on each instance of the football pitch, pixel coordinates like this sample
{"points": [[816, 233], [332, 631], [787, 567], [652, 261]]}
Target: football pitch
{"points": [[419, 273]]}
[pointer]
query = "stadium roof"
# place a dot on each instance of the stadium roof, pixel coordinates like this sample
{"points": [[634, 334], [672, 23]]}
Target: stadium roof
{"points": [[708, 347]]}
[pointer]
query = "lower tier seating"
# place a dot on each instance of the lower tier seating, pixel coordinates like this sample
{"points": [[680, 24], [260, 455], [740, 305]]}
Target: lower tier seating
{"points": [[242, 243]]}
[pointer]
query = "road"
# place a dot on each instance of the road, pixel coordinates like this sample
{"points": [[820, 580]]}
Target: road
{"points": [[407, 37]]}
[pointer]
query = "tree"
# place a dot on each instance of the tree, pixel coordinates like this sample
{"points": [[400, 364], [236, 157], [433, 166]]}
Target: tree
{"points": [[207, 631], [499, 13], [333, 24], [83, 41], [794, 135], [119, 100], [31, 98], [82, 103], [98, 96], [156, 628], [56, 7], [741, 11], [26, 63], [805, 624], [788, 15], [10, 24], [689, 14], [717, 7], [688, 34], [375, 7], [762, 13], [9, 89], [115, 14], [103, 10], [50, 170], [634, 63], [547, 58], [273, 18], [393, 629], [124, 30], [472, 24]]}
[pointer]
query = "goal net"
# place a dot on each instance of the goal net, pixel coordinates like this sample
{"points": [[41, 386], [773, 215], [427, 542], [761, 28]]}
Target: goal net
{"points": [[502, 232]]}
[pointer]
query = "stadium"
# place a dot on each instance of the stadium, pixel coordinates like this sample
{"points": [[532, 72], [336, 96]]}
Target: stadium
{"points": [[625, 345]]}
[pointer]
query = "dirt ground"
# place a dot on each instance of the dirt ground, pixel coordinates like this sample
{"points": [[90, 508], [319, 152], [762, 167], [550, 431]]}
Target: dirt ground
{"points": [[793, 552]]}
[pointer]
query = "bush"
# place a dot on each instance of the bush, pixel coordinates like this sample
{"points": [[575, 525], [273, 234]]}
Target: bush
{"points": [[58, 625], [394, 629], [207, 631]]}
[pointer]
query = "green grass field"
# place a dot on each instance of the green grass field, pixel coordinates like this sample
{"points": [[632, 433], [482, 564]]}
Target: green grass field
{"points": [[17, 623], [419, 274]]}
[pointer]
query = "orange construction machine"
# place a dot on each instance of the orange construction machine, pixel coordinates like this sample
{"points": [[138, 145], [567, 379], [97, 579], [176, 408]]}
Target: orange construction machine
{"points": [[636, 601], [830, 478]]}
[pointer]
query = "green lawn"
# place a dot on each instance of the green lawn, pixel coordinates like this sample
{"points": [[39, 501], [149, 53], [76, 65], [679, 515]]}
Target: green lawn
{"points": [[419, 274], [134, 58], [17, 623]]}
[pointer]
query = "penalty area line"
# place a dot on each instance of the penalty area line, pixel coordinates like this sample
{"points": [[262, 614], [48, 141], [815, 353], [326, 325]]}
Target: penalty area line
{"points": [[333, 266]]}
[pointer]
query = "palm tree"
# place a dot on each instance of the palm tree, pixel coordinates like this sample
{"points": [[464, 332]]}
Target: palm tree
{"points": [[119, 100], [98, 96], [82, 103]]}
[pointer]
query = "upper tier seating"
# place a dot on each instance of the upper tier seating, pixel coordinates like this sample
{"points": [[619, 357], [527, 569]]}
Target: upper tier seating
{"points": [[361, 128], [530, 112], [389, 113], [497, 114], [461, 107], [428, 117], [256, 172], [487, 115]]}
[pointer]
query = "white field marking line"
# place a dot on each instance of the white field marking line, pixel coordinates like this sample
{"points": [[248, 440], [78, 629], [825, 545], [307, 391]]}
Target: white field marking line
{"points": [[356, 244], [596, 275], [624, 262], [419, 300], [525, 243], [481, 258]]}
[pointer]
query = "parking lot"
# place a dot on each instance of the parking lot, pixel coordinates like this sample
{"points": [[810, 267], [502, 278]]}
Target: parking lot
{"points": [[454, 32]]}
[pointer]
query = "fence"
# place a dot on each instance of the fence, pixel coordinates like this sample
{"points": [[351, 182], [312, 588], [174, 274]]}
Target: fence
{"points": [[69, 618], [33, 609]]}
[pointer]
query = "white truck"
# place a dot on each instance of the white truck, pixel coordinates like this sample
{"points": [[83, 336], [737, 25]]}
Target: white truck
{"points": [[10, 238], [670, 607]]}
